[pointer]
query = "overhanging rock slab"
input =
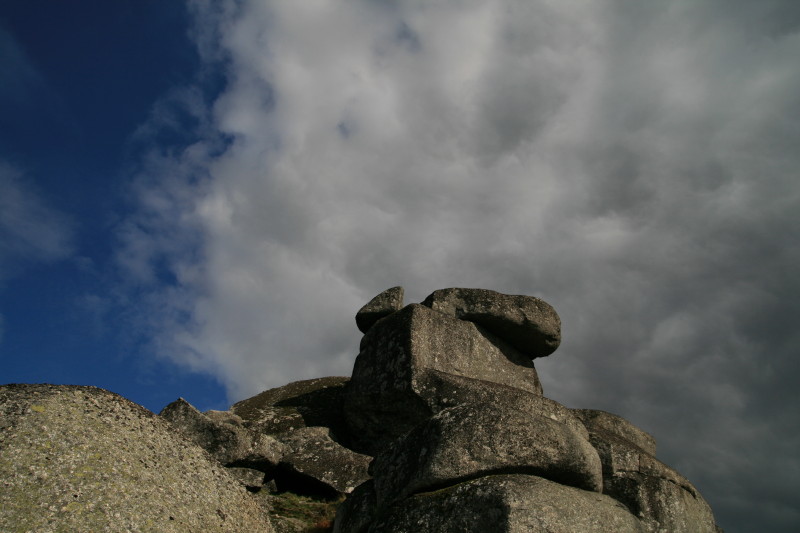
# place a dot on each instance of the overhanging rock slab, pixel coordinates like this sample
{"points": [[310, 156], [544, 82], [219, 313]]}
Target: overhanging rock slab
{"points": [[509, 504], [474, 440]]}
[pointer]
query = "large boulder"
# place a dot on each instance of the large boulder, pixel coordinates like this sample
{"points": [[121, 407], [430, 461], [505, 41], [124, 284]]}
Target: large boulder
{"points": [[403, 359], [231, 444], [507, 503], [382, 305], [307, 403], [85, 459], [475, 440], [529, 324], [663, 499]]}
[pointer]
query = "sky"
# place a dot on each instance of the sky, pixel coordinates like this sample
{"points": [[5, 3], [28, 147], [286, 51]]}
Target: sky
{"points": [[196, 198]]}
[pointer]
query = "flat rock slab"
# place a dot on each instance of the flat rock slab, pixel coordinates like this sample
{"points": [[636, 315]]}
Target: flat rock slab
{"points": [[381, 306], [527, 323], [85, 459], [511, 504], [474, 440], [390, 392]]}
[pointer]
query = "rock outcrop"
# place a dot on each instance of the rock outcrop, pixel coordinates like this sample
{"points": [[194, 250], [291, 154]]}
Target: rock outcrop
{"points": [[442, 427], [287, 435], [416, 362], [85, 459], [446, 396], [529, 324]]}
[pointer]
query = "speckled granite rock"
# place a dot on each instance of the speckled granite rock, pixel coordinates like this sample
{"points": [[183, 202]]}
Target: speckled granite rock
{"points": [[381, 306], [307, 403], [312, 453], [394, 383], [660, 497], [527, 323], [445, 395], [508, 503], [474, 440], [231, 444], [84, 459]]}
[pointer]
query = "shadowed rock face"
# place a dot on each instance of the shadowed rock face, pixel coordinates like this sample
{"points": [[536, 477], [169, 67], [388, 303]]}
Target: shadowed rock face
{"points": [[509, 503], [307, 403], [382, 305], [273, 439], [85, 459], [229, 443]]}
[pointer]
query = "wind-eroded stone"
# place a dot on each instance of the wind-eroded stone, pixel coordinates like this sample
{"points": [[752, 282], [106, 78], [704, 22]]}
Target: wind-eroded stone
{"points": [[602, 420], [84, 459], [507, 503], [529, 324], [475, 440], [230, 444], [311, 453], [382, 305], [393, 389], [663, 499], [306, 403]]}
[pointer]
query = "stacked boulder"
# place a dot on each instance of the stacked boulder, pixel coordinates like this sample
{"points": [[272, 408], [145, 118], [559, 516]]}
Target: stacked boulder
{"points": [[445, 396]]}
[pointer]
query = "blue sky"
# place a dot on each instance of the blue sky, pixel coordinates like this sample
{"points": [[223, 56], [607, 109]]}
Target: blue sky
{"points": [[81, 78], [196, 198]]}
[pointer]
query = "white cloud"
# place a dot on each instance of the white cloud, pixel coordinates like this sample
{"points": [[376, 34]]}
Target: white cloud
{"points": [[632, 165]]}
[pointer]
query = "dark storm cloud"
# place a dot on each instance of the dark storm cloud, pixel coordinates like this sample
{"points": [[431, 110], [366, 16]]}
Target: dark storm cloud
{"points": [[632, 163]]}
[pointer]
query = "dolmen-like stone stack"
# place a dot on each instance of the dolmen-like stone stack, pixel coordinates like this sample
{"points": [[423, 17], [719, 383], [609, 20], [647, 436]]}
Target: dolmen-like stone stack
{"points": [[442, 427], [445, 396]]}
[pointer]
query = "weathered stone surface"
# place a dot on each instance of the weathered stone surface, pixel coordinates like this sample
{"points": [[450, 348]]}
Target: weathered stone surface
{"points": [[595, 419], [312, 453], [249, 477], [474, 440], [84, 459], [529, 324], [229, 444], [382, 305], [356, 513], [307, 403], [406, 356], [447, 390], [511, 504], [664, 500], [224, 417]]}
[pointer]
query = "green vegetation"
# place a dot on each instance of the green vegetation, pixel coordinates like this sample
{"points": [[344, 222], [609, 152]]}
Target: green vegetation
{"points": [[311, 514]]}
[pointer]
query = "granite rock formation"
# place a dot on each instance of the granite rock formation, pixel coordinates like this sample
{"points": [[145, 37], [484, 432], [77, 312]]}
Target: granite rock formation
{"points": [[446, 396], [84, 459], [442, 427]]}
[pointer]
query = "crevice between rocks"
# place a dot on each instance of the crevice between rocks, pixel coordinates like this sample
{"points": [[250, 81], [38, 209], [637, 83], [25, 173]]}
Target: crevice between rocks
{"points": [[566, 479]]}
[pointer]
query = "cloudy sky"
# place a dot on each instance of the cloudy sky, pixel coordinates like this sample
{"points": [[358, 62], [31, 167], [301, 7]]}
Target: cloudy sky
{"points": [[195, 199]]}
